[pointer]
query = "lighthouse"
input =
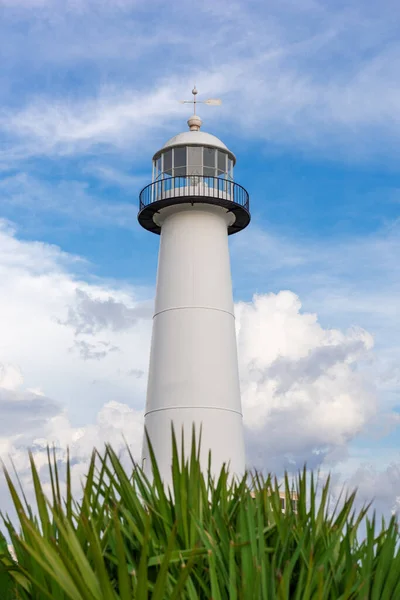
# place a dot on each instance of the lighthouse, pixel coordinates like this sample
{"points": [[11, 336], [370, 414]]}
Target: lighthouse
{"points": [[194, 204]]}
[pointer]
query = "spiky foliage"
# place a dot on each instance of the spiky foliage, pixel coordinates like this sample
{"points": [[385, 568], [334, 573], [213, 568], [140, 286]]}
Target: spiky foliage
{"points": [[129, 538]]}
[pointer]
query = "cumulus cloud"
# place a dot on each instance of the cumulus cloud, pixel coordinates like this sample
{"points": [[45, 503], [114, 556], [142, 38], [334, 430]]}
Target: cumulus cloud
{"points": [[31, 421], [382, 486], [91, 315], [48, 393], [116, 423], [304, 398], [302, 395], [22, 411], [354, 281], [74, 353], [95, 351], [10, 377], [38, 285], [36, 258]]}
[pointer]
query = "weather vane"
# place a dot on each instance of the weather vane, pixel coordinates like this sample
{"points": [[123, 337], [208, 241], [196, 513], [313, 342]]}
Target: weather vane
{"points": [[210, 101]]}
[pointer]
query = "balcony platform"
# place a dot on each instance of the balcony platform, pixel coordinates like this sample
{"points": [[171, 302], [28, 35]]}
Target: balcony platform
{"points": [[194, 189]]}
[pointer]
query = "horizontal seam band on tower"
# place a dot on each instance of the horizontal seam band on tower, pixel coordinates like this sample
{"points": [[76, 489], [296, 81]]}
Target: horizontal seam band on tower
{"points": [[190, 307], [237, 412]]}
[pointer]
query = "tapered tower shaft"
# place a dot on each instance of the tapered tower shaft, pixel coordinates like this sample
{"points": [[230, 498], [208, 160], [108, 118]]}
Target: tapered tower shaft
{"points": [[193, 374]]}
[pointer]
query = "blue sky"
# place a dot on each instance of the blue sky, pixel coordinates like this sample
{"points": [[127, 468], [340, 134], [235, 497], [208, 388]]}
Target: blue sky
{"points": [[89, 91]]}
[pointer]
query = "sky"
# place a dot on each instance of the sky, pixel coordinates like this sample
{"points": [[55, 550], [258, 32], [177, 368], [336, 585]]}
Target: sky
{"points": [[310, 93]]}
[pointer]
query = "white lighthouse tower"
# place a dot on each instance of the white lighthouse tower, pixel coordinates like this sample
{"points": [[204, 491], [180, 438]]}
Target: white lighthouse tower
{"points": [[193, 203]]}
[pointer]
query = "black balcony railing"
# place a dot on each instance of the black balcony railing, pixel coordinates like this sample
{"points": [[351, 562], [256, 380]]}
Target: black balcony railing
{"points": [[194, 189], [194, 186]]}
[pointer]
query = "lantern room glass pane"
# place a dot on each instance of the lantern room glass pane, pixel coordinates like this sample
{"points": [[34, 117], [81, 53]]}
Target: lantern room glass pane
{"points": [[180, 161], [158, 167], [209, 162], [168, 162], [195, 162], [221, 162], [230, 168]]}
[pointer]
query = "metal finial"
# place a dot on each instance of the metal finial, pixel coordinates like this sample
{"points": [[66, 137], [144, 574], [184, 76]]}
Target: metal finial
{"points": [[195, 121], [194, 92]]}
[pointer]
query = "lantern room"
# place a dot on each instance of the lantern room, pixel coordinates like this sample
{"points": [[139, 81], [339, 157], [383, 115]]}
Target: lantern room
{"points": [[193, 153], [193, 167]]}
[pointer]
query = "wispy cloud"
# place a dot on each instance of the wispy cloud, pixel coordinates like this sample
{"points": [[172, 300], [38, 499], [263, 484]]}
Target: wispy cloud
{"points": [[359, 268], [110, 175], [321, 77], [117, 117], [37, 257], [72, 6], [68, 199]]}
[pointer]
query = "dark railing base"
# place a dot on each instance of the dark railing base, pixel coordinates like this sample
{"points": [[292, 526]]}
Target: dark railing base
{"points": [[145, 216], [206, 190]]}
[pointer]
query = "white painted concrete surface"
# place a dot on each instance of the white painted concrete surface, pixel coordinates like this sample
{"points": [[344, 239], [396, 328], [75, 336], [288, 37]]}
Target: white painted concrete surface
{"points": [[193, 375]]}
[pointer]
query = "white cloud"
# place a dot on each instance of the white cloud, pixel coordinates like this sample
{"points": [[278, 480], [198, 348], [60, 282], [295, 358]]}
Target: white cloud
{"points": [[113, 176], [24, 3], [305, 75], [116, 424], [29, 196], [92, 315], [49, 393], [78, 6], [379, 485], [10, 377], [302, 396], [22, 411], [350, 281], [116, 118], [35, 257], [38, 291], [316, 76]]}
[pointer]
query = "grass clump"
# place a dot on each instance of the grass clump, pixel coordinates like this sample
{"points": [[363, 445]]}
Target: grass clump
{"points": [[129, 538]]}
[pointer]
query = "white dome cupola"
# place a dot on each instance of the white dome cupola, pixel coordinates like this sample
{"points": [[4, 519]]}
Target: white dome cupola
{"points": [[193, 152]]}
